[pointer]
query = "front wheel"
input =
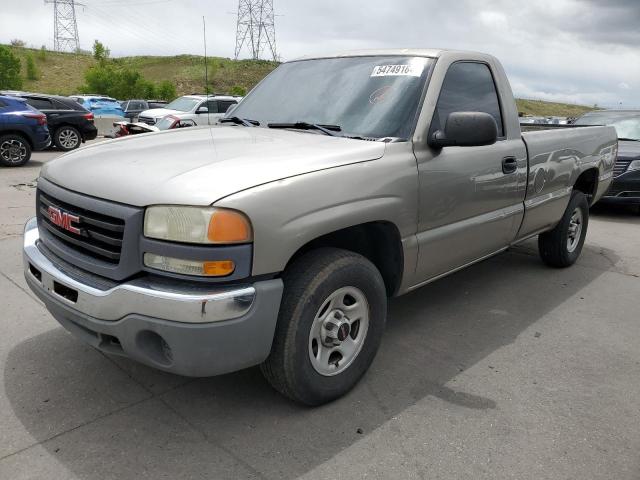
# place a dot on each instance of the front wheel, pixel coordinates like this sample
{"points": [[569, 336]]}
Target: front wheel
{"points": [[562, 246], [14, 150], [330, 324], [67, 138]]}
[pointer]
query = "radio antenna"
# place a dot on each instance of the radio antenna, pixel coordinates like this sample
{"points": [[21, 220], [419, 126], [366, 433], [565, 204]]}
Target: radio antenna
{"points": [[206, 69]]}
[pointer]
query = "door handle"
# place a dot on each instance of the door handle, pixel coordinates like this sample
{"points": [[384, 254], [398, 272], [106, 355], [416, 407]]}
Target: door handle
{"points": [[509, 165]]}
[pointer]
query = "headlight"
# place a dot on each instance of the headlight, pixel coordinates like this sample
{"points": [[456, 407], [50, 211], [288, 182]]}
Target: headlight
{"points": [[197, 225], [635, 165]]}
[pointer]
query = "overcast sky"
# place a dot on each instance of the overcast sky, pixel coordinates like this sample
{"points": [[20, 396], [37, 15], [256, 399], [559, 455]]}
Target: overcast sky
{"points": [[581, 51]]}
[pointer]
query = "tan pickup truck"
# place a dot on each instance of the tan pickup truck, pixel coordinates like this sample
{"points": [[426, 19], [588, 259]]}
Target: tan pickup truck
{"points": [[276, 237]]}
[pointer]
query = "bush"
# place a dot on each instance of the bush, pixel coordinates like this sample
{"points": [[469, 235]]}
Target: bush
{"points": [[238, 90], [16, 42], [166, 90], [32, 72], [42, 54], [10, 78], [123, 83]]}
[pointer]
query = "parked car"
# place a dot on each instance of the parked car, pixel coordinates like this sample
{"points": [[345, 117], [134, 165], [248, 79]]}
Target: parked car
{"points": [[133, 108], [170, 122], [625, 188], [202, 109], [99, 104], [69, 123], [277, 239], [22, 130]]}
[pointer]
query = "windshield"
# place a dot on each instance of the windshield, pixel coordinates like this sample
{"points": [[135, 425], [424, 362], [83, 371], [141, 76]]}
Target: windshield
{"points": [[627, 124], [366, 96], [182, 104]]}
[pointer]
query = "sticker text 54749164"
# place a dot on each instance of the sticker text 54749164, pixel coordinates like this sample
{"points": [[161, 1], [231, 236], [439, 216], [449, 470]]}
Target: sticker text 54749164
{"points": [[410, 70]]}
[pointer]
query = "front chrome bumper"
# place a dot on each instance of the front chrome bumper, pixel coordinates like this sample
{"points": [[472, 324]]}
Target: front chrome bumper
{"points": [[169, 301], [169, 326]]}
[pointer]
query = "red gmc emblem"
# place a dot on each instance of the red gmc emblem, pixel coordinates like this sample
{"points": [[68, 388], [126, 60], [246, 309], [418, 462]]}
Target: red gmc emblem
{"points": [[63, 219]]}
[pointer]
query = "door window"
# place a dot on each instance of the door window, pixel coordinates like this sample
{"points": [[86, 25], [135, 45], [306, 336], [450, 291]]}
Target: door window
{"points": [[467, 87], [40, 103]]}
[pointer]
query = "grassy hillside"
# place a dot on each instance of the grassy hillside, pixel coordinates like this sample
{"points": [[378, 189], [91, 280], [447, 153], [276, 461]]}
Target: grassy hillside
{"points": [[63, 73], [550, 109]]}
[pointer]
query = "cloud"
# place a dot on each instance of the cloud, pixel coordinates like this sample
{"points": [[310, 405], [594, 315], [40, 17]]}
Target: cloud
{"points": [[572, 50]]}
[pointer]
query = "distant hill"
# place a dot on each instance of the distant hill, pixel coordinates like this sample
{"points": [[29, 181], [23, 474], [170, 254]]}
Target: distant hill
{"points": [[63, 73]]}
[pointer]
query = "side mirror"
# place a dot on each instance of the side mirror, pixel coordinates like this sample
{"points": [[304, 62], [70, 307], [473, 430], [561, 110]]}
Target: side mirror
{"points": [[202, 110], [466, 129]]}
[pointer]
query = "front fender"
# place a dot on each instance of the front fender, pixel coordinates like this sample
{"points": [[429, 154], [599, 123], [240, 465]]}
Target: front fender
{"points": [[289, 213]]}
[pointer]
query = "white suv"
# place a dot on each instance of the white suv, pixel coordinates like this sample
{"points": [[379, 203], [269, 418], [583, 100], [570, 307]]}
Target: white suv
{"points": [[202, 109]]}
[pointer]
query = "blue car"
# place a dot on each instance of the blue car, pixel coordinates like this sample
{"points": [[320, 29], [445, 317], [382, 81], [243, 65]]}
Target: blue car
{"points": [[99, 105], [22, 129]]}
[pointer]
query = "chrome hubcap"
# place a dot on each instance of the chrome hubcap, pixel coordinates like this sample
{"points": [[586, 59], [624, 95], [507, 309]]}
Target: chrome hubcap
{"points": [[68, 138], [575, 230], [338, 331], [13, 151]]}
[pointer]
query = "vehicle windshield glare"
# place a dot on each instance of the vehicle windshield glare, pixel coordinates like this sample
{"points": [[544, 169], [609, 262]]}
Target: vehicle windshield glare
{"points": [[182, 104], [627, 124], [166, 122], [373, 97]]}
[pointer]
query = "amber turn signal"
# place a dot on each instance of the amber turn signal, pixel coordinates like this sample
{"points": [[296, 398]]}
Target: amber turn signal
{"points": [[229, 226], [219, 268]]}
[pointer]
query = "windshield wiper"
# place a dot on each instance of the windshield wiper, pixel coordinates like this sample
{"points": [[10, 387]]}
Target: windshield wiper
{"points": [[328, 129], [247, 122], [629, 139]]}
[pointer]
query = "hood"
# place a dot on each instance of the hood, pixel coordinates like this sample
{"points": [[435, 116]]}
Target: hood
{"points": [[159, 112], [197, 166], [628, 149]]}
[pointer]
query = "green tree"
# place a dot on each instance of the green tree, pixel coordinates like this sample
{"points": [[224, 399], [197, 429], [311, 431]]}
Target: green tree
{"points": [[32, 71], [238, 90], [16, 42], [100, 52], [166, 90], [9, 70], [42, 54]]}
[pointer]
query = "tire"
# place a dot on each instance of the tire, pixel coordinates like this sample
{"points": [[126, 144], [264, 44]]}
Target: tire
{"points": [[314, 287], [15, 151], [562, 246], [67, 138]]}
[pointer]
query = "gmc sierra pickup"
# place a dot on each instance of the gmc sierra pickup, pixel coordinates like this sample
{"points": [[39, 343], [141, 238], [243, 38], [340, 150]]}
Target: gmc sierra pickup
{"points": [[275, 238]]}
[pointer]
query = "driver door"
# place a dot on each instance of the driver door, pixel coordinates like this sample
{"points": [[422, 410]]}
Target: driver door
{"points": [[470, 205]]}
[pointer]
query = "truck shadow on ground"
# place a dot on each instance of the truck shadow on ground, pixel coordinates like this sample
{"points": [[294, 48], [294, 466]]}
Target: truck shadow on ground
{"points": [[433, 334]]}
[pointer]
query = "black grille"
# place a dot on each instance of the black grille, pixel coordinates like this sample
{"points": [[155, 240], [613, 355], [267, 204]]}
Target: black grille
{"points": [[100, 235], [147, 120], [621, 166]]}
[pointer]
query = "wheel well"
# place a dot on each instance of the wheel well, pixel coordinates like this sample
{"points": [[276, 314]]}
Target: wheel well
{"points": [[19, 134], [379, 242], [587, 183]]}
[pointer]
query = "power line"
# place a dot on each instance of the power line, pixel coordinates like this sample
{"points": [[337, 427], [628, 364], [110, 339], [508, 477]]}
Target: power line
{"points": [[255, 28], [65, 27]]}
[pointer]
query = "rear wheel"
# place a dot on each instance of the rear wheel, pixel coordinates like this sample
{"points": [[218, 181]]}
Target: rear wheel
{"points": [[329, 328], [562, 246], [67, 138], [14, 150]]}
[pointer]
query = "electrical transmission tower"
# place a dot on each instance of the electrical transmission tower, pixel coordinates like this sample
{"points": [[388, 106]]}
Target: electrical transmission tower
{"points": [[65, 26], [256, 28]]}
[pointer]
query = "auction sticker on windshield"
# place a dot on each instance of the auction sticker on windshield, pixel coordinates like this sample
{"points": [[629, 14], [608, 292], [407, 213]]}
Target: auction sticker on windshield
{"points": [[413, 69]]}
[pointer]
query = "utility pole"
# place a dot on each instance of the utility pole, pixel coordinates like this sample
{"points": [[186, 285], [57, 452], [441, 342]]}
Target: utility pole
{"points": [[65, 27], [256, 29]]}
